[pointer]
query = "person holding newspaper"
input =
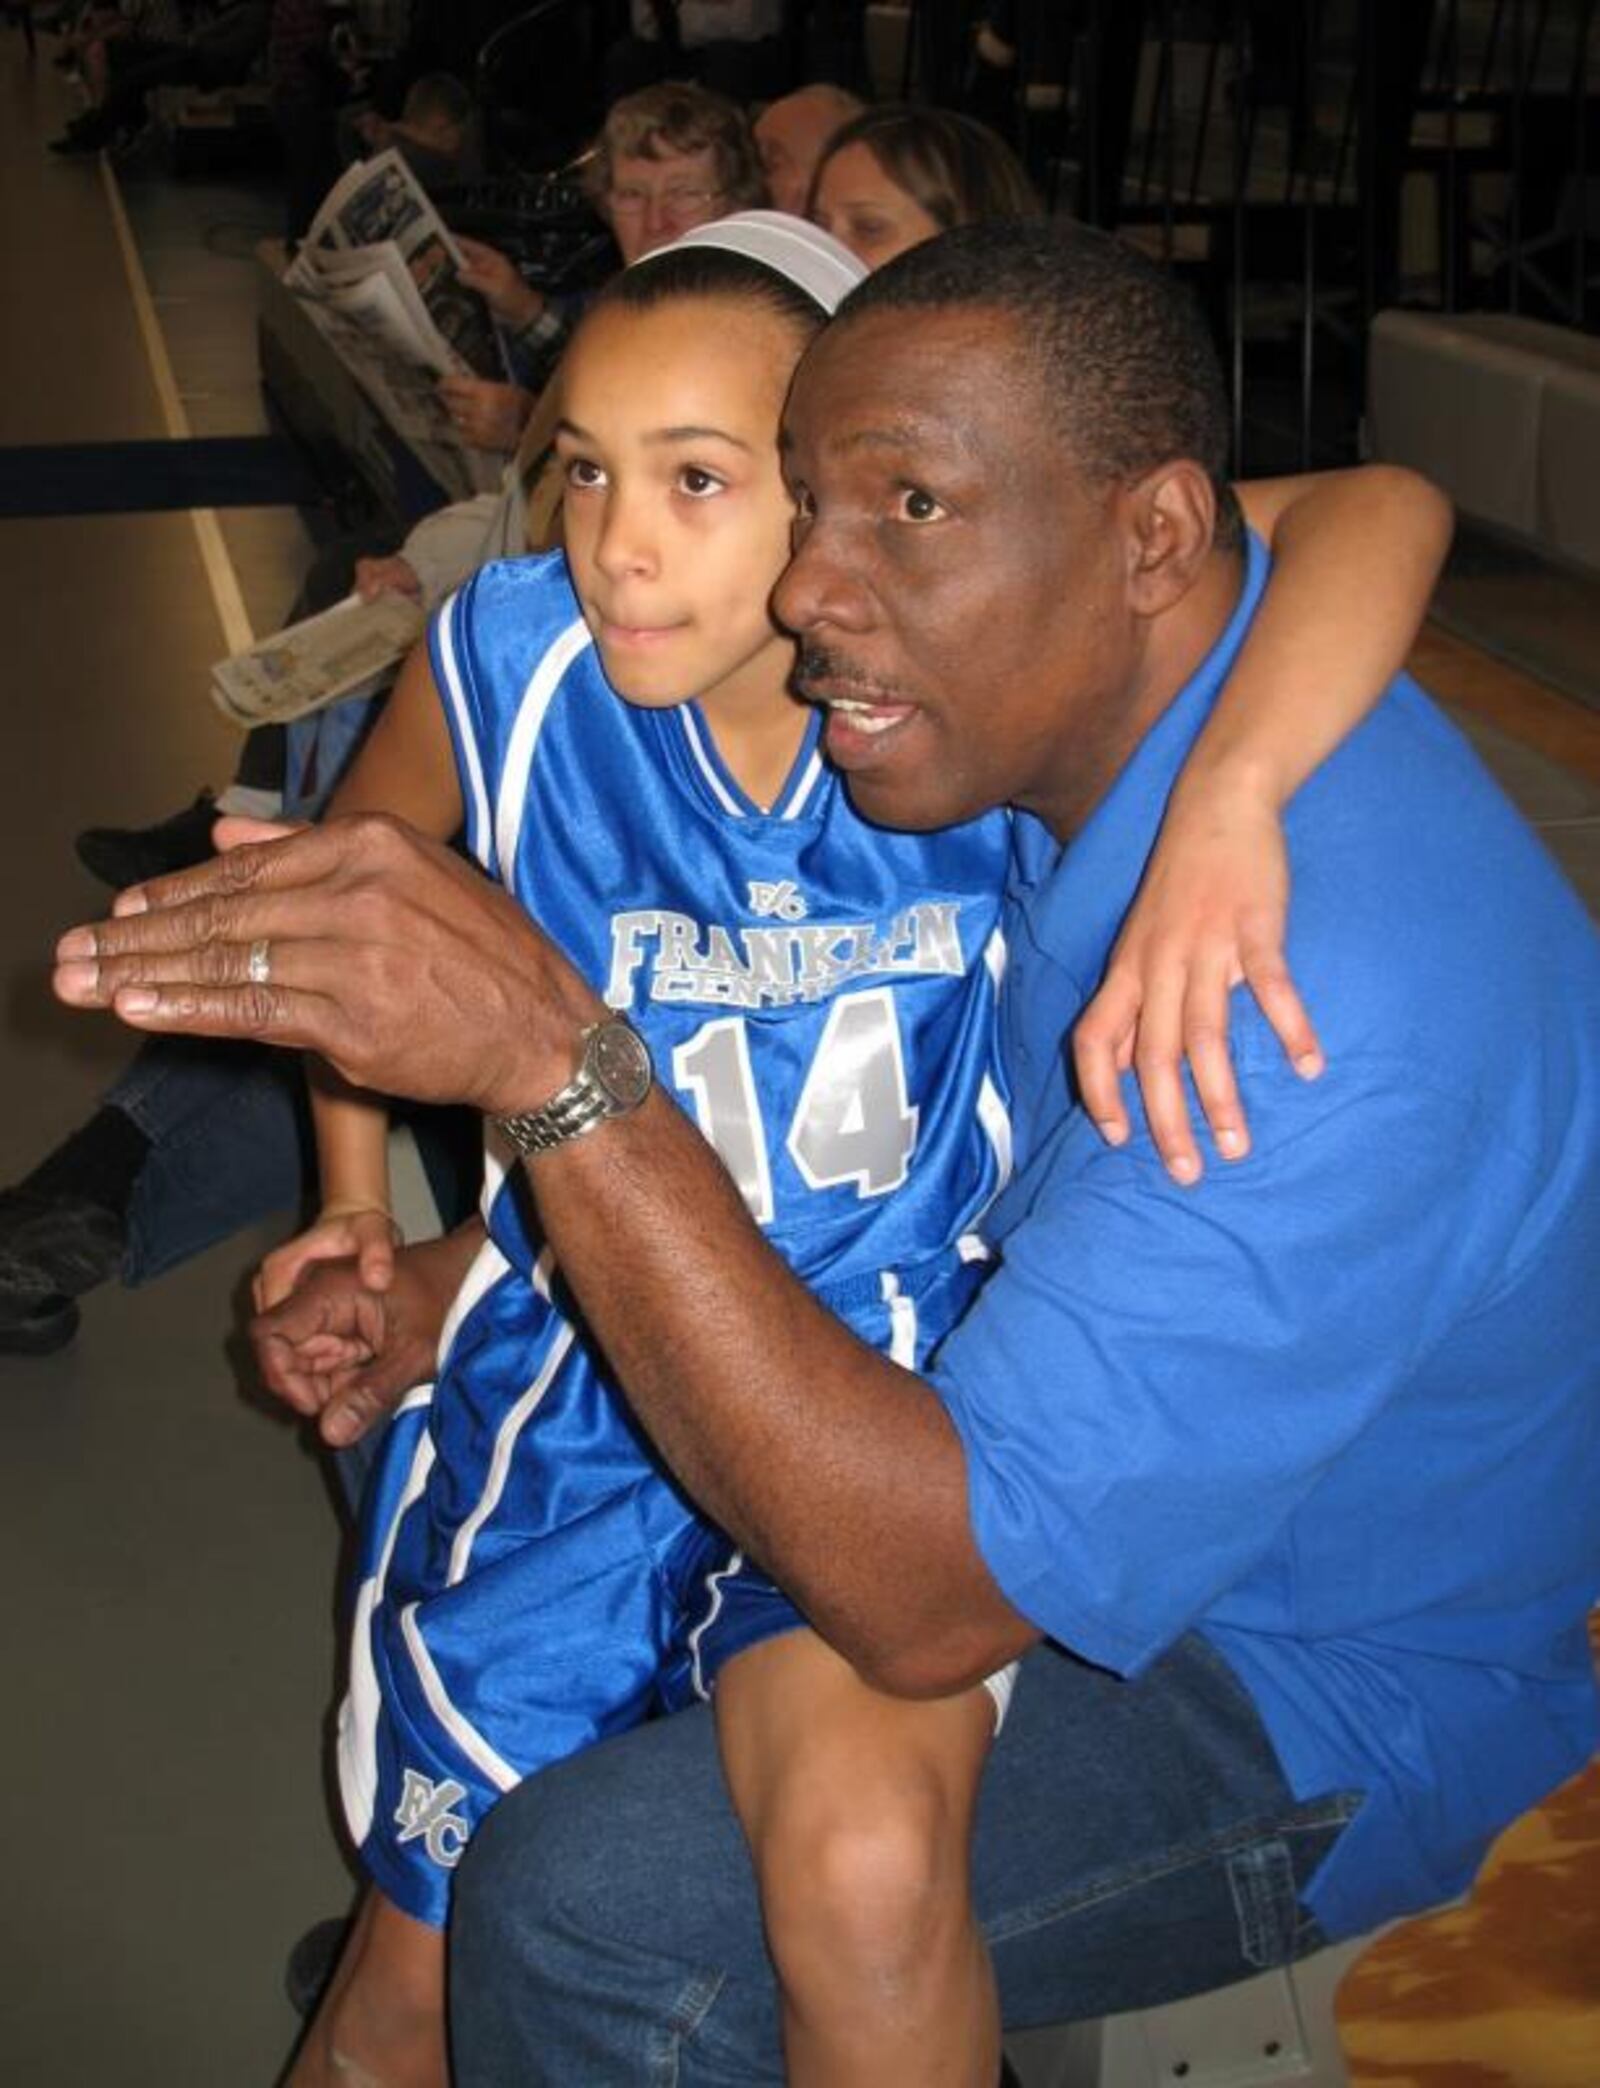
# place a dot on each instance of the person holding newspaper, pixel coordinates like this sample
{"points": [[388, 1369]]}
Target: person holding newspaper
{"points": [[669, 158]]}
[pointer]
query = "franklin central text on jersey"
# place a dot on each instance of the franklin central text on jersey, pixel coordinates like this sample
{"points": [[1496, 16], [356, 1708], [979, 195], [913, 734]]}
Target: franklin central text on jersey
{"points": [[666, 956]]}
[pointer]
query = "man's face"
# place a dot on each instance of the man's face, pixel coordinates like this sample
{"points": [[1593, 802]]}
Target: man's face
{"points": [[790, 135], [652, 201], [958, 586]]}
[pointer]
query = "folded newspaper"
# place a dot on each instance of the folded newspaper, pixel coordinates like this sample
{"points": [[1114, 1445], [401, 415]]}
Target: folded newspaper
{"points": [[377, 273], [351, 649]]}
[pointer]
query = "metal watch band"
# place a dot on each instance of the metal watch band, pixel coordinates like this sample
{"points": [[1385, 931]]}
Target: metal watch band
{"points": [[612, 1079], [566, 1115]]}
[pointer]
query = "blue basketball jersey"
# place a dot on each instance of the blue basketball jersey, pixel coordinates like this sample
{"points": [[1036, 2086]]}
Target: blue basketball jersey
{"points": [[819, 995]]}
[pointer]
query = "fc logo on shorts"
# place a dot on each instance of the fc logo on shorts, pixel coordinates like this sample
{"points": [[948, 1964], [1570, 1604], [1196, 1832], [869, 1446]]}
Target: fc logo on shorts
{"points": [[424, 1814]]}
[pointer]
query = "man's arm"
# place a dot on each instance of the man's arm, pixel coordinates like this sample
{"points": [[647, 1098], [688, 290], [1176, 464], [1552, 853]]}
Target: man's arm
{"points": [[837, 1469], [413, 975]]}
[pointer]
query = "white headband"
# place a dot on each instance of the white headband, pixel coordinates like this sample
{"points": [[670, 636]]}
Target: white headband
{"points": [[790, 246]]}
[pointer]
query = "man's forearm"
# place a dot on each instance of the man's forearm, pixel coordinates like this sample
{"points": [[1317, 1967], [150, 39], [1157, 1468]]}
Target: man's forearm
{"points": [[836, 1469]]}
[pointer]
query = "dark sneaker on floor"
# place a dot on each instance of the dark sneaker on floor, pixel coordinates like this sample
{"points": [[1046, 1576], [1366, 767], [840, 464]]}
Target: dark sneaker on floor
{"points": [[39, 1327], [123, 856], [55, 1243]]}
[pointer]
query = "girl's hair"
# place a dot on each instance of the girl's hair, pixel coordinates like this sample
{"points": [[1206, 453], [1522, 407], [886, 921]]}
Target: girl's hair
{"points": [[678, 116], [707, 272], [955, 168]]}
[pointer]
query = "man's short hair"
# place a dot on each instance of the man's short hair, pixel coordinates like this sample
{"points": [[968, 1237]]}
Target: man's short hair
{"points": [[1120, 352], [679, 116], [437, 98]]}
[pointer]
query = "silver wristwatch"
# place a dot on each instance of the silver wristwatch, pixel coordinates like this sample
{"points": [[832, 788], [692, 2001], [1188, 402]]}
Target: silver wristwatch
{"points": [[614, 1075]]}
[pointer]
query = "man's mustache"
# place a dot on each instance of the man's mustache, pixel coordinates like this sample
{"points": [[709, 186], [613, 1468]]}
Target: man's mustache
{"points": [[818, 664]]}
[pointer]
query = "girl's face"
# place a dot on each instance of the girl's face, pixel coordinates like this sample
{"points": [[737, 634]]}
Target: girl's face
{"points": [[859, 204], [677, 520]]}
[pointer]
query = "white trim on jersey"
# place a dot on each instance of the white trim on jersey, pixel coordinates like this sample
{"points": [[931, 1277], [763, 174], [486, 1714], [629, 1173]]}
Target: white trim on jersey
{"points": [[488, 1266], [708, 768], [713, 1584], [800, 796], [902, 1322], [505, 1442], [467, 1737], [995, 1118], [466, 737], [363, 1701], [993, 1114], [542, 685]]}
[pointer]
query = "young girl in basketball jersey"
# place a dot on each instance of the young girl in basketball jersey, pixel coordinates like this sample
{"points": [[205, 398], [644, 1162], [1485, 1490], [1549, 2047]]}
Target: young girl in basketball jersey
{"points": [[821, 997]]}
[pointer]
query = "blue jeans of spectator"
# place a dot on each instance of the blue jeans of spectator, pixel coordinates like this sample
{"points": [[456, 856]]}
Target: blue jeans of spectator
{"points": [[1135, 1842], [230, 1143]]}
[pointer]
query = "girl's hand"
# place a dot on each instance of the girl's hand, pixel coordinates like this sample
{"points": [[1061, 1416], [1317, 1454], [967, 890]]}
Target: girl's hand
{"points": [[360, 1233], [1210, 914]]}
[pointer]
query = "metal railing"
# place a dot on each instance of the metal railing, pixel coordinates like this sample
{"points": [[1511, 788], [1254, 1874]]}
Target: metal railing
{"points": [[1306, 162]]}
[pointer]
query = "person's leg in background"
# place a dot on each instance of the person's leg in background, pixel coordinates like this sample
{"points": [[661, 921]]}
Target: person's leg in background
{"points": [[1135, 1842], [194, 1142]]}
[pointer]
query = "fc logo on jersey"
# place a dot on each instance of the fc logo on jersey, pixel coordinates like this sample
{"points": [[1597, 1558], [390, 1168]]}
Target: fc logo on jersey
{"points": [[424, 1815], [781, 901]]}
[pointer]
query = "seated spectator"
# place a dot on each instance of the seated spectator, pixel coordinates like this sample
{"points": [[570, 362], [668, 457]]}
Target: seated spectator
{"points": [[899, 174], [436, 131], [219, 52], [790, 134], [732, 46], [669, 157]]}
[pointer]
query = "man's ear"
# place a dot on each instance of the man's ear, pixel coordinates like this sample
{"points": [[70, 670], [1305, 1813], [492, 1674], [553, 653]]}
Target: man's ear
{"points": [[1172, 521]]}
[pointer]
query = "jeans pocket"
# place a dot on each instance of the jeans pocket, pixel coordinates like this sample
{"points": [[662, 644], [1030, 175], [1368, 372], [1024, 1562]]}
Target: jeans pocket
{"points": [[1265, 1902], [1265, 1882]]}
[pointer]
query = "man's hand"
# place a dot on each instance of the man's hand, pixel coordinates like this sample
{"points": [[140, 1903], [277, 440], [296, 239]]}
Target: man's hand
{"points": [[486, 415], [399, 963], [345, 1355], [376, 576]]}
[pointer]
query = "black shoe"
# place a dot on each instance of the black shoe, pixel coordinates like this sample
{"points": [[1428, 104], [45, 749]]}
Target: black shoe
{"points": [[35, 1322], [313, 1962], [123, 856], [55, 1242]]}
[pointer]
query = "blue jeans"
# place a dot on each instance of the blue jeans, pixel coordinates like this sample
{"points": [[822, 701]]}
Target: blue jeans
{"points": [[1135, 1842], [230, 1143]]}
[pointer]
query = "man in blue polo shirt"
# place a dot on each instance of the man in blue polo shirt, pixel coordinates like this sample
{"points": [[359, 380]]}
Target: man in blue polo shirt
{"points": [[1288, 1479]]}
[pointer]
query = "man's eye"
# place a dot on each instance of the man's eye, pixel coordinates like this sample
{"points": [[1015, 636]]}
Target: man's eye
{"points": [[918, 506]]}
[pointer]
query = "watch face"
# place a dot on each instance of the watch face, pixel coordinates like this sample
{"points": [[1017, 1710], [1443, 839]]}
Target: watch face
{"points": [[619, 1061]]}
